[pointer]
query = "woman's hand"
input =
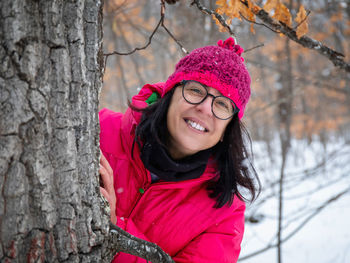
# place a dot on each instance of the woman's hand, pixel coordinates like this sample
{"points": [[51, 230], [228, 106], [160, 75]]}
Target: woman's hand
{"points": [[107, 186]]}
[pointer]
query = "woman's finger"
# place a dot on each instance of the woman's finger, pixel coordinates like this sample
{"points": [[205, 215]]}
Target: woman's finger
{"points": [[104, 193], [107, 185], [105, 164], [107, 179]]}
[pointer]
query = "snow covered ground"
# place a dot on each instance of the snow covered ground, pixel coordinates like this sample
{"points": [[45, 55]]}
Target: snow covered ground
{"points": [[314, 175]]}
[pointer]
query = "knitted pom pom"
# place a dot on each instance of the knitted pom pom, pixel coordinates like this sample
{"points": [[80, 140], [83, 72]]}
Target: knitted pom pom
{"points": [[230, 44]]}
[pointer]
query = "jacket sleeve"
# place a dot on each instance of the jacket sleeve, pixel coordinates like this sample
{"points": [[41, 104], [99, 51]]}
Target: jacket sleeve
{"points": [[110, 123], [220, 243]]}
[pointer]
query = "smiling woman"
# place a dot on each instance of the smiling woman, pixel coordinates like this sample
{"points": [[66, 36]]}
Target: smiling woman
{"points": [[193, 127], [176, 159]]}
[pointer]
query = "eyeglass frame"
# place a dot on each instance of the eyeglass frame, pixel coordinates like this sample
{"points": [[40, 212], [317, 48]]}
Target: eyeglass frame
{"points": [[183, 83]]}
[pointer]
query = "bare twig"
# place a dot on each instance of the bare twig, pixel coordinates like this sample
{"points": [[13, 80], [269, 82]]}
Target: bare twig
{"points": [[211, 12], [315, 212], [256, 23], [115, 10], [177, 41], [137, 48], [160, 24], [252, 48], [133, 59], [302, 21]]}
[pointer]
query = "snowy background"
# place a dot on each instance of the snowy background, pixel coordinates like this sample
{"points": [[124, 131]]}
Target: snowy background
{"points": [[314, 175]]}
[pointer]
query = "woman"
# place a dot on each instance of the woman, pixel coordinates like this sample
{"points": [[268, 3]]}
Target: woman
{"points": [[177, 159]]}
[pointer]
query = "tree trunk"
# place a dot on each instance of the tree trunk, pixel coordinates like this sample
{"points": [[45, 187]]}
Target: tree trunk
{"points": [[285, 96], [50, 80], [51, 209]]}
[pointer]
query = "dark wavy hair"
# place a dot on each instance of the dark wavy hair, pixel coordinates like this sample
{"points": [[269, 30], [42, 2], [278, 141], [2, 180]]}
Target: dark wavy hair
{"points": [[235, 168]]}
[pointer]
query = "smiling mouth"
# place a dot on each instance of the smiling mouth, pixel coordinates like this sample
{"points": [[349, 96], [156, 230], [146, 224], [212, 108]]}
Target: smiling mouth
{"points": [[196, 126]]}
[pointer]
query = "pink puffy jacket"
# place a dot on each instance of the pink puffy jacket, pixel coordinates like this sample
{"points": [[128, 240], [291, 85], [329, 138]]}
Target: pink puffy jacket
{"points": [[178, 216]]}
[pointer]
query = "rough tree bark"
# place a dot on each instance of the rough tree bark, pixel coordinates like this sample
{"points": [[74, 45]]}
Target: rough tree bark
{"points": [[51, 209], [50, 79]]}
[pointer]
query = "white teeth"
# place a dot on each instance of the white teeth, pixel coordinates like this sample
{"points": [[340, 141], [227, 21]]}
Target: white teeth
{"points": [[195, 125]]}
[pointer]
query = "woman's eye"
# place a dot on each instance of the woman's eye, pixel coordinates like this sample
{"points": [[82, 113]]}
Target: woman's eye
{"points": [[222, 104], [196, 91]]}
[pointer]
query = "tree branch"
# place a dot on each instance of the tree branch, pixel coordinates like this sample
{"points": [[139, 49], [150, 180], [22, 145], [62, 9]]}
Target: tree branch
{"points": [[137, 48], [177, 41], [278, 27], [211, 12], [122, 241], [335, 57], [160, 23]]}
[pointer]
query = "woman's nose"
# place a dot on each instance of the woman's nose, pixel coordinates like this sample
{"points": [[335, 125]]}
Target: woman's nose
{"points": [[205, 106]]}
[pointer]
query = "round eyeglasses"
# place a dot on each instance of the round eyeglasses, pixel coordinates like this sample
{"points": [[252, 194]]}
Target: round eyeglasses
{"points": [[195, 92]]}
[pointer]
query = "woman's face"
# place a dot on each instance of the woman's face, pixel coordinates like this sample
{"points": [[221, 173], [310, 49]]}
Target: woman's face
{"points": [[192, 128]]}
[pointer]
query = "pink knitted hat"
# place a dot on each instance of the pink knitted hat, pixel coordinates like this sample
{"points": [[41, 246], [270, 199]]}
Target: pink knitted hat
{"points": [[220, 67]]}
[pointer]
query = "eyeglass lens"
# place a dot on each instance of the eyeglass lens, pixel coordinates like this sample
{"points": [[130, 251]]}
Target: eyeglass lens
{"points": [[195, 93]]}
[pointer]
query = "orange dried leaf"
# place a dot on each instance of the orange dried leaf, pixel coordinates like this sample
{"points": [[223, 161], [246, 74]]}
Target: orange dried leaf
{"points": [[222, 29], [271, 4], [221, 3], [220, 11], [215, 19], [233, 9], [250, 4], [246, 11], [255, 9], [252, 28], [222, 7], [303, 27], [282, 14], [301, 16]]}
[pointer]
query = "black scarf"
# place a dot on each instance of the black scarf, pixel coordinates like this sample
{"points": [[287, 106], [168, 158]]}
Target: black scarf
{"points": [[157, 160]]}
